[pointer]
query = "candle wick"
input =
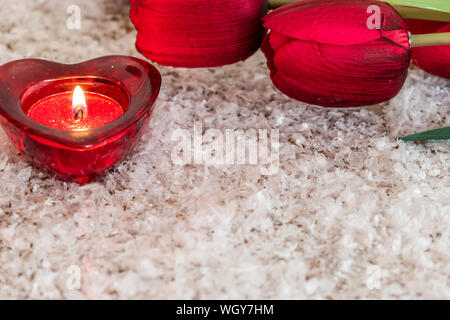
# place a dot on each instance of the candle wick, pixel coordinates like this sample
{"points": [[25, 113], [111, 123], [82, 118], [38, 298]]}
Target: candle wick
{"points": [[79, 113], [79, 108]]}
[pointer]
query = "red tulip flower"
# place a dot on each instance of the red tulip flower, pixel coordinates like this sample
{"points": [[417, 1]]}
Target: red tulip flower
{"points": [[323, 52], [432, 59], [198, 33]]}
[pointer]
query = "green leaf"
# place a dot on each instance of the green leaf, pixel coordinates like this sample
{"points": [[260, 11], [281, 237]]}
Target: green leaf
{"points": [[436, 134], [435, 5]]}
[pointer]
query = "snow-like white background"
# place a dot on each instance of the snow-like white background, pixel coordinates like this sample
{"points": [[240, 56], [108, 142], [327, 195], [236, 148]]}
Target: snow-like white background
{"points": [[352, 212]]}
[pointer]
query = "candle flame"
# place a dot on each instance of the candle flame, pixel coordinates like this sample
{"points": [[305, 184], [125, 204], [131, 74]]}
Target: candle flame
{"points": [[79, 107]]}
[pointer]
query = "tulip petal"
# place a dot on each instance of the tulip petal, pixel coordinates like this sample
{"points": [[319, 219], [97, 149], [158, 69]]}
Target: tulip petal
{"points": [[340, 22], [423, 26], [335, 76]]}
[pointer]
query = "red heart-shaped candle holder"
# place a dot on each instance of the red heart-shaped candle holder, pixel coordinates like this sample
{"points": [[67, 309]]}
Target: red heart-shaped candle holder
{"points": [[77, 155]]}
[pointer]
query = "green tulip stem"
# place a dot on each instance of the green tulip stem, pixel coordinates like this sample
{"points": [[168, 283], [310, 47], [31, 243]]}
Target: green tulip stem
{"points": [[431, 39], [406, 12]]}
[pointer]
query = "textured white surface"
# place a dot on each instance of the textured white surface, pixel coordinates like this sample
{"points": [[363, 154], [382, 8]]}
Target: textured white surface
{"points": [[348, 196]]}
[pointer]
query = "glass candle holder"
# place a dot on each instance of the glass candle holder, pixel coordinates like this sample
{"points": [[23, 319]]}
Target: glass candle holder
{"points": [[78, 155]]}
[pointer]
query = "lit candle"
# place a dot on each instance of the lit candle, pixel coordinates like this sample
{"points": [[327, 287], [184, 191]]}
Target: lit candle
{"points": [[77, 111], [72, 134]]}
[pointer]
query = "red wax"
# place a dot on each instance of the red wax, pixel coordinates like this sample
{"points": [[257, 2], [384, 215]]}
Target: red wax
{"points": [[56, 111]]}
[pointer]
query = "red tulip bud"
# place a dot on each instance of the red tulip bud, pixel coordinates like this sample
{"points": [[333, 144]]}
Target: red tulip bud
{"points": [[337, 53], [198, 33], [435, 59]]}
